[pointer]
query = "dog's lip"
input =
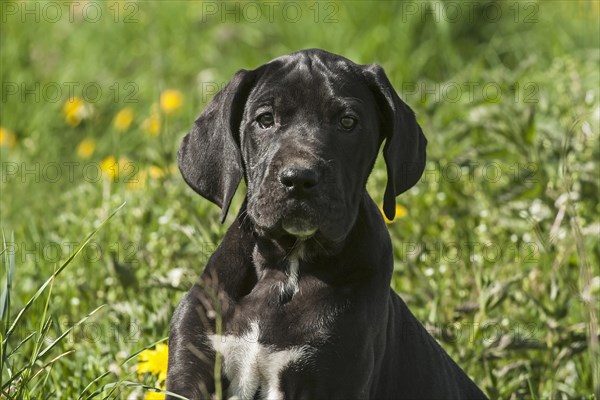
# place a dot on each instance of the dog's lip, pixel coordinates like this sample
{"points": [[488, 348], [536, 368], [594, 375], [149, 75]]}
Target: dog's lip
{"points": [[301, 234], [299, 228]]}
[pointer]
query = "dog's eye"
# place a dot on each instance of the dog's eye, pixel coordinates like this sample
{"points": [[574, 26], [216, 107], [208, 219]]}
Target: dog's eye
{"points": [[265, 120], [348, 122]]}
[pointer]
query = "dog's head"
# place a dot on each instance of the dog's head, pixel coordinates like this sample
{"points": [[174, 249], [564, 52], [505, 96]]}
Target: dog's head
{"points": [[304, 131]]}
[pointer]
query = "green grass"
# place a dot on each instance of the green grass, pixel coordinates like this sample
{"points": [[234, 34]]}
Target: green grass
{"points": [[500, 263]]}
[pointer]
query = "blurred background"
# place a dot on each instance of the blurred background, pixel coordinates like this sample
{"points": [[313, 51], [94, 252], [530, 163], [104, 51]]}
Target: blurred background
{"points": [[496, 249]]}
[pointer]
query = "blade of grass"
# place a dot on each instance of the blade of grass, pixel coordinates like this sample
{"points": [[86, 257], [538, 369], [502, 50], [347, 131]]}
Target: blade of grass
{"points": [[51, 362], [587, 295], [45, 324], [5, 309], [21, 343], [44, 381], [136, 384], [118, 383], [66, 332], [43, 331], [103, 375], [4, 293], [131, 357], [9, 261], [15, 376], [58, 271], [115, 388]]}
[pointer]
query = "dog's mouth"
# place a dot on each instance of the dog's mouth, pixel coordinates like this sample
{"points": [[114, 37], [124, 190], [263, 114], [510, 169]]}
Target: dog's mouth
{"points": [[293, 218], [298, 223]]}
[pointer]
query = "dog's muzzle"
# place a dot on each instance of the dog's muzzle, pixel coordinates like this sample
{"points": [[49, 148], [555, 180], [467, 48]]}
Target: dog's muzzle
{"points": [[300, 184]]}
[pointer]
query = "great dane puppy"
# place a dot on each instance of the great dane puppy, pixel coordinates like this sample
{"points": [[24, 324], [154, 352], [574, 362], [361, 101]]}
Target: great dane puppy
{"points": [[295, 303]]}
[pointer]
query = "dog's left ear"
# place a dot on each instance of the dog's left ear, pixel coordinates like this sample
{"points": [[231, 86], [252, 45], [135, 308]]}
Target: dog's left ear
{"points": [[209, 156], [404, 149]]}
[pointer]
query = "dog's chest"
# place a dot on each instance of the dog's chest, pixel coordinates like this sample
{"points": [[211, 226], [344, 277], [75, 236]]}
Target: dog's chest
{"points": [[265, 336], [253, 367]]}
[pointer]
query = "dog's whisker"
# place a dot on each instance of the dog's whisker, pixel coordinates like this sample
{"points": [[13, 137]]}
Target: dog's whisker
{"points": [[245, 216], [321, 246], [292, 249]]}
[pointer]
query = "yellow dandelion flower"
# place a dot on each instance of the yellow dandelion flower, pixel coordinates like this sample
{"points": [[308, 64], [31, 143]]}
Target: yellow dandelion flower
{"points": [[152, 123], [154, 362], [113, 169], [86, 148], [73, 105], [171, 101], [110, 167], [7, 138], [72, 119], [75, 111], [123, 119], [156, 172], [401, 212]]}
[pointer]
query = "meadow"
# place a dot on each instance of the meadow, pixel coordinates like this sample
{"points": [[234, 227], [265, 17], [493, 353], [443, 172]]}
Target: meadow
{"points": [[496, 248]]}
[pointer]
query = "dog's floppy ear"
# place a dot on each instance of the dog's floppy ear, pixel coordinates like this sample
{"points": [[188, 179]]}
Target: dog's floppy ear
{"points": [[404, 149], [209, 157]]}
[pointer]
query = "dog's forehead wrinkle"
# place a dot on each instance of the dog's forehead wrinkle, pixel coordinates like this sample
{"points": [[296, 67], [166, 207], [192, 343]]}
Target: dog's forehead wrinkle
{"points": [[307, 70], [287, 92], [264, 100], [349, 101]]}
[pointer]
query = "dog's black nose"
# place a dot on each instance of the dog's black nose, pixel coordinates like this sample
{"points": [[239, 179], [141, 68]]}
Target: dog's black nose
{"points": [[298, 179]]}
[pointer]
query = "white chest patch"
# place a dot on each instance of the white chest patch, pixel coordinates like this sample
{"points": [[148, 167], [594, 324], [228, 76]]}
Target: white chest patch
{"points": [[251, 366], [290, 286]]}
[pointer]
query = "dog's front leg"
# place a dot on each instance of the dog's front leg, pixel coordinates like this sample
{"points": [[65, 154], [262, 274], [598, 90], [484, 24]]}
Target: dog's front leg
{"points": [[191, 358]]}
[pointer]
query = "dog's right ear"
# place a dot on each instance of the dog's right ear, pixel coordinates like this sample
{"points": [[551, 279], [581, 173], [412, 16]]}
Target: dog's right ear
{"points": [[209, 157]]}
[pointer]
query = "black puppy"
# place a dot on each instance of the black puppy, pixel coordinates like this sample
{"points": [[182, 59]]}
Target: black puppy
{"points": [[296, 302]]}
